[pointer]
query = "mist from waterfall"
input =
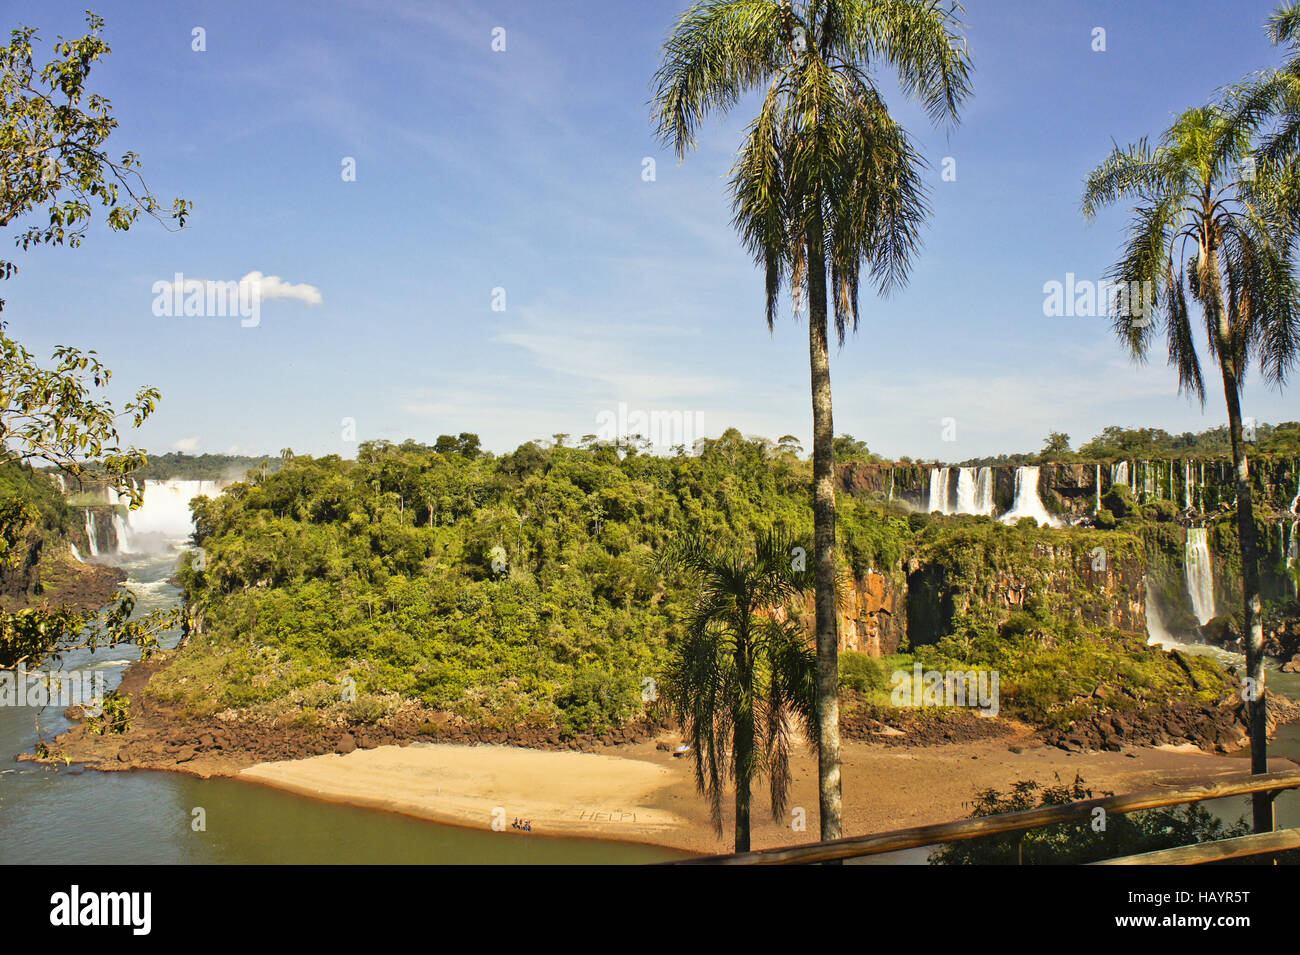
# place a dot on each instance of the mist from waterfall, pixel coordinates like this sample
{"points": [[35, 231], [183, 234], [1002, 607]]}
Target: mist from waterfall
{"points": [[1199, 573], [1158, 634], [162, 522]]}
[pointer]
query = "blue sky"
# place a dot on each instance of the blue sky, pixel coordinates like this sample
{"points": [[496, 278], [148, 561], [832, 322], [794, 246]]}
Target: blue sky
{"points": [[522, 170]]}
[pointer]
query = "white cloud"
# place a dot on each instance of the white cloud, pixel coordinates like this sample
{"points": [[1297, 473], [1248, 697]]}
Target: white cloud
{"points": [[272, 286], [186, 444], [253, 288]]}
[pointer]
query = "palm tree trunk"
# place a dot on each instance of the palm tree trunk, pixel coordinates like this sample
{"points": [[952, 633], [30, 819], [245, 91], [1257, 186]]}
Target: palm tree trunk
{"points": [[743, 741], [1253, 623], [828, 668]]}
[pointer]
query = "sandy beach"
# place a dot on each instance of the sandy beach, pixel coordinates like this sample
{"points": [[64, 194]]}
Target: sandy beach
{"points": [[642, 794]]}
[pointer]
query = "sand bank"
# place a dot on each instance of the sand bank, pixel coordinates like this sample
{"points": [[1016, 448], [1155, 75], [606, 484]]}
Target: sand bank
{"points": [[643, 794]]}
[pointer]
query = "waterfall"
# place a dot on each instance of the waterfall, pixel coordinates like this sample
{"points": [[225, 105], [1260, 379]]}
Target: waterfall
{"points": [[91, 536], [1199, 573], [939, 490], [1187, 484], [984, 492], [76, 554], [966, 491], [163, 517], [1027, 502], [122, 533], [974, 493], [1097, 482], [1293, 553], [1119, 473], [891, 484], [1148, 482]]}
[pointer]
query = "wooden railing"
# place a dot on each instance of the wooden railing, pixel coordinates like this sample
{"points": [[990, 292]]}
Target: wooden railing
{"points": [[857, 846]]}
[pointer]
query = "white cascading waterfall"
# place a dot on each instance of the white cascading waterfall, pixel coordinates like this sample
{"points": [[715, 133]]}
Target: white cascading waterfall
{"points": [[1097, 485], [891, 484], [1293, 553], [76, 554], [1199, 573], [984, 492], [122, 533], [973, 495], [939, 490], [1119, 473], [162, 520], [965, 491], [1027, 502], [91, 536]]}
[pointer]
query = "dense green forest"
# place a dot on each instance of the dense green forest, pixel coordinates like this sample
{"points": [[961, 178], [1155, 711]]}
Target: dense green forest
{"points": [[1143, 444], [195, 467], [524, 589]]}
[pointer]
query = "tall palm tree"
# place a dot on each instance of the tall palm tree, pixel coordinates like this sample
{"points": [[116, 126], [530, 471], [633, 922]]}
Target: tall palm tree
{"points": [[1210, 226], [741, 676], [825, 180]]}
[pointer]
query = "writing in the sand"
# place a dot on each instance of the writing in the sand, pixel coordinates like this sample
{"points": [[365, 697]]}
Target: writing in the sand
{"points": [[605, 815]]}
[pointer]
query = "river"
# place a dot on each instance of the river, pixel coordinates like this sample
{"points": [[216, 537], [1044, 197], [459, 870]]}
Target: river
{"points": [[74, 815]]}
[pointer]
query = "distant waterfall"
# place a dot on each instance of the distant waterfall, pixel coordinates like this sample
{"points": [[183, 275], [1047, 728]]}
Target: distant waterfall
{"points": [[974, 493], [76, 554], [939, 490], [122, 533], [891, 484], [1293, 551], [1199, 573], [1097, 482], [163, 518], [984, 492], [1027, 502], [966, 491], [91, 536], [1119, 473], [1187, 485]]}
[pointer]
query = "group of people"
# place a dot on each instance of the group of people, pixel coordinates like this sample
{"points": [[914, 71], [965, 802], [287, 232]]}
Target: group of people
{"points": [[524, 825]]}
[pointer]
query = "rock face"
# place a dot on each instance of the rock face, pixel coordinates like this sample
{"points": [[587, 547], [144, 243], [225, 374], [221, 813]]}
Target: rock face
{"points": [[948, 589], [870, 617], [868, 622]]}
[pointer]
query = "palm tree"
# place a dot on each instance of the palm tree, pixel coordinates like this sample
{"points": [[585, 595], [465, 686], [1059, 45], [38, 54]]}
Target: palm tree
{"points": [[825, 179], [741, 676], [1210, 227]]}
